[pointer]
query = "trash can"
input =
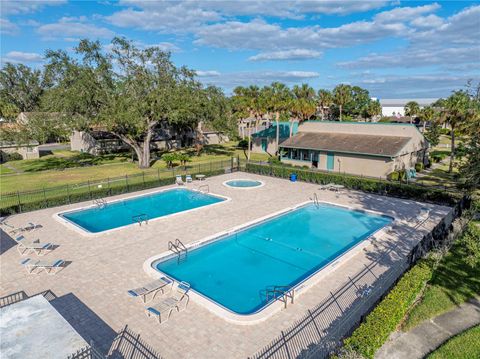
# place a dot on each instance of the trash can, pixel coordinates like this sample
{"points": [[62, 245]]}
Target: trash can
{"points": [[293, 177]]}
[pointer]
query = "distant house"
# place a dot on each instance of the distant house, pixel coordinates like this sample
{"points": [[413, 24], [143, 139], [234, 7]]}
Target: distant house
{"points": [[396, 107], [368, 149], [28, 151], [98, 141], [265, 140]]}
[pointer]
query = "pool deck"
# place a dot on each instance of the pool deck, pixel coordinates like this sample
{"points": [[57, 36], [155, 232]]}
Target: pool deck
{"points": [[101, 269]]}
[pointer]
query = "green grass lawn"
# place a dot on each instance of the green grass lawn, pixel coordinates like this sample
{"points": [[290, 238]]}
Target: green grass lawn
{"points": [[67, 167], [453, 282], [463, 346]]}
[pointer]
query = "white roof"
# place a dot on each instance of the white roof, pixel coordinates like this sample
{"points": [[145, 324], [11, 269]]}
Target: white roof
{"points": [[400, 102], [34, 326]]}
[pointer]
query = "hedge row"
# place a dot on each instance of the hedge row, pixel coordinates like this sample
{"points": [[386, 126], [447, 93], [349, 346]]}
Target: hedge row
{"points": [[61, 196], [370, 185], [386, 316]]}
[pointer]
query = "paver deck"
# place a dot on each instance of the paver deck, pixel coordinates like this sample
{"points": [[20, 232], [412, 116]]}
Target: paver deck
{"points": [[103, 268]]}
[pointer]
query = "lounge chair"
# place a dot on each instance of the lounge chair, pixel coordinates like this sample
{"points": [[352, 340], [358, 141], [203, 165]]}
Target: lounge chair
{"points": [[336, 187], [167, 305], [30, 245], [35, 266], [324, 187], [11, 229], [154, 287], [178, 180], [188, 179]]}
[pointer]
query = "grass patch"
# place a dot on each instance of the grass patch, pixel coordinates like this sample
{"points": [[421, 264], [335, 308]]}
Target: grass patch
{"points": [[462, 346], [453, 282], [5, 171]]}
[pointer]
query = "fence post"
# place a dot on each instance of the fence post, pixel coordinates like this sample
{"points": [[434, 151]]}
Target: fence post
{"points": [[45, 197], [19, 203], [126, 182], [158, 174], [108, 183], [143, 178], [89, 189], [68, 194]]}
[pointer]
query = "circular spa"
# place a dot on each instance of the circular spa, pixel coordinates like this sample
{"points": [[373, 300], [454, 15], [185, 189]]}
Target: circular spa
{"points": [[243, 183]]}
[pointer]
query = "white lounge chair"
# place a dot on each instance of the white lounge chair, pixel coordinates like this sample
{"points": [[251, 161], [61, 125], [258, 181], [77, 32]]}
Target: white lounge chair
{"points": [[154, 287], [167, 305], [11, 229], [324, 187], [26, 246], [179, 180], [35, 266], [188, 179], [336, 187]]}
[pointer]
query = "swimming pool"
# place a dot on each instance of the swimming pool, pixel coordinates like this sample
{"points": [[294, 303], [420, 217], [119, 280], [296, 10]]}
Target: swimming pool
{"points": [[96, 219], [243, 183], [236, 269]]}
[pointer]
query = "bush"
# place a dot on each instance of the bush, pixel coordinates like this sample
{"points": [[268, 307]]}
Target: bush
{"points": [[445, 131], [419, 167], [395, 189], [471, 242], [274, 161], [14, 156], [394, 176], [386, 316]]}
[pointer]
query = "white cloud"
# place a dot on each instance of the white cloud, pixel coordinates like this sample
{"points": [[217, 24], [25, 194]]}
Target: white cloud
{"points": [[416, 57], [22, 57], [231, 80], [294, 54], [405, 13], [68, 27], [209, 73], [7, 27], [16, 7], [427, 21]]}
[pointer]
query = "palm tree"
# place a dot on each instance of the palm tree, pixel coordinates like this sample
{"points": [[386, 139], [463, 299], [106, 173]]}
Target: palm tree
{"points": [[302, 105], [278, 99], [342, 94], [454, 112], [374, 108], [427, 114], [325, 100], [412, 109]]}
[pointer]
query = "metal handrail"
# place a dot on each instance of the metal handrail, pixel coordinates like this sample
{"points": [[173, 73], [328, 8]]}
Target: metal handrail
{"points": [[139, 218], [178, 248], [285, 292], [315, 200], [100, 202]]}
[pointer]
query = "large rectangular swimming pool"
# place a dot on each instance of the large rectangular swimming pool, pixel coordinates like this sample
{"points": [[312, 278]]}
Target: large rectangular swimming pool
{"points": [[125, 212], [236, 270]]}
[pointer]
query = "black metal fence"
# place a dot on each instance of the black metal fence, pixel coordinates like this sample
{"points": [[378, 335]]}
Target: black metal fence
{"points": [[18, 202]]}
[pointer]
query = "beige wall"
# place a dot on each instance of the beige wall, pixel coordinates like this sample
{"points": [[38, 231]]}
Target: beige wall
{"points": [[27, 152], [353, 164]]}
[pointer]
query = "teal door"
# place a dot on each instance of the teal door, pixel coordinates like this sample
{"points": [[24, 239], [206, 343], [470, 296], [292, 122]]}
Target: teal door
{"points": [[330, 161], [264, 144]]}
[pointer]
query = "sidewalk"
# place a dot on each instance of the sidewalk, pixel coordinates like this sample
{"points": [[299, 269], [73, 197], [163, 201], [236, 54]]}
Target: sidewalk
{"points": [[429, 335]]}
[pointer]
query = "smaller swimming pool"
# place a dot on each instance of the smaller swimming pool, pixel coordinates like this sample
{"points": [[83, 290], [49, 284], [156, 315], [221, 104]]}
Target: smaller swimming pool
{"points": [[243, 183]]}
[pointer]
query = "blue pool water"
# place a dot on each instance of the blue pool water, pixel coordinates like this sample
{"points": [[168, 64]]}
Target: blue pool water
{"points": [[243, 183], [236, 270], [121, 213]]}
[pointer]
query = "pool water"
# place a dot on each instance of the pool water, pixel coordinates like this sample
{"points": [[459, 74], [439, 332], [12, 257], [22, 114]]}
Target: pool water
{"points": [[122, 213], [243, 183], [236, 270]]}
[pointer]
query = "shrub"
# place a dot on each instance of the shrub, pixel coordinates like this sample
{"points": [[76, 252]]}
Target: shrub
{"points": [[169, 158], [445, 131], [395, 189], [419, 167], [394, 176], [386, 316], [471, 242], [14, 156]]}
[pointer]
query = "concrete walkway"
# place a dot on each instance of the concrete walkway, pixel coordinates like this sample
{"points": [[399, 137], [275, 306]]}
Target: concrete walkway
{"points": [[429, 335]]}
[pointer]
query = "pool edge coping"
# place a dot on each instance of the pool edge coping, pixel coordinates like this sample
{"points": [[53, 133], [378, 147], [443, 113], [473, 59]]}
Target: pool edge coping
{"points": [[300, 288], [77, 228]]}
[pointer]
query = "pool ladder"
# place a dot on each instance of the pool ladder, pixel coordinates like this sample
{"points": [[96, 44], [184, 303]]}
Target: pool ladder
{"points": [[206, 188], [315, 200], [100, 202], [178, 248], [139, 218], [282, 293]]}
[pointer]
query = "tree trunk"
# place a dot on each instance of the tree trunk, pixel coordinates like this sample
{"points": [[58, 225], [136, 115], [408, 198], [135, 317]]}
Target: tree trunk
{"points": [[277, 135], [249, 142], [452, 153], [340, 112]]}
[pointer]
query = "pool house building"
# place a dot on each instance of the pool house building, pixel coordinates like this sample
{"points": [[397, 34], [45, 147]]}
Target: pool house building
{"points": [[368, 149]]}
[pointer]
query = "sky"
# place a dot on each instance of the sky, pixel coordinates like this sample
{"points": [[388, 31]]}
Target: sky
{"points": [[395, 49]]}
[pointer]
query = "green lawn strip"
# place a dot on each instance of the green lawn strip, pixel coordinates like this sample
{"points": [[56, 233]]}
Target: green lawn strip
{"points": [[4, 170], [386, 316], [463, 346], [453, 282]]}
